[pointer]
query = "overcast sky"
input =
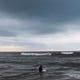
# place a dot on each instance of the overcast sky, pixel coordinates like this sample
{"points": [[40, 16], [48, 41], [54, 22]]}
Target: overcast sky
{"points": [[39, 25]]}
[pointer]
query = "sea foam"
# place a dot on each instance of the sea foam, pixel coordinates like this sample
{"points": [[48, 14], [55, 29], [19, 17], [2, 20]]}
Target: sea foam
{"points": [[35, 54]]}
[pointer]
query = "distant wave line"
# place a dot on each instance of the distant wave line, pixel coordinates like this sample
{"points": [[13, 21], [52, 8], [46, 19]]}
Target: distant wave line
{"points": [[63, 52], [36, 54]]}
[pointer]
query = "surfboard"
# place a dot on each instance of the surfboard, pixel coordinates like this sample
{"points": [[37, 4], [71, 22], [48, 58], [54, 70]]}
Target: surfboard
{"points": [[44, 70]]}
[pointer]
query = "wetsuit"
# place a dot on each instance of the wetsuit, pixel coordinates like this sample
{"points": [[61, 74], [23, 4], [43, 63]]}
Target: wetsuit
{"points": [[40, 68]]}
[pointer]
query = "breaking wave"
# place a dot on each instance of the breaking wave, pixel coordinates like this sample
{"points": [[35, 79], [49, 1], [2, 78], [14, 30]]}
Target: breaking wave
{"points": [[66, 52], [35, 54]]}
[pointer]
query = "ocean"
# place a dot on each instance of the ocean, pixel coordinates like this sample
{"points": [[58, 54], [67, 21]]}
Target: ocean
{"points": [[19, 66]]}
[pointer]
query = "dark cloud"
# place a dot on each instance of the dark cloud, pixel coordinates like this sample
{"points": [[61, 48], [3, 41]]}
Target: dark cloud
{"points": [[45, 29], [50, 13], [45, 9], [7, 32]]}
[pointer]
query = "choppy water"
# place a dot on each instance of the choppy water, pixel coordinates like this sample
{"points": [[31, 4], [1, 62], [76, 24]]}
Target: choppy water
{"points": [[14, 66]]}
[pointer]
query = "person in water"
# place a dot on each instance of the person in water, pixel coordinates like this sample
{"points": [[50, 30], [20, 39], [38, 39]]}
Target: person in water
{"points": [[40, 68]]}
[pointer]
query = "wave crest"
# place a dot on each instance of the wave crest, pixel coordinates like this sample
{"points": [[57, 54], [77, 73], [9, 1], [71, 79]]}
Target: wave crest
{"points": [[35, 54]]}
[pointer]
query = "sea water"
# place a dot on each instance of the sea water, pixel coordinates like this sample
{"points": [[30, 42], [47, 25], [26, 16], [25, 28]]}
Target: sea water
{"points": [[14, 66]]}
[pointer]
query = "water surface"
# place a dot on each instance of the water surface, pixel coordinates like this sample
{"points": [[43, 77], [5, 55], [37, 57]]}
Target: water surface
{"points": [[14, 66]]}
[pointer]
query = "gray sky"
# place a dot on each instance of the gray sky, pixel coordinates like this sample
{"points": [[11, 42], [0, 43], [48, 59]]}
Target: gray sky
{"points": [[39, 25]]}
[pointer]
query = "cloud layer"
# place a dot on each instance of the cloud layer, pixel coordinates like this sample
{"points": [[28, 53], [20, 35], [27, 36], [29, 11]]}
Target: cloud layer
{"points": [[40, 21]]}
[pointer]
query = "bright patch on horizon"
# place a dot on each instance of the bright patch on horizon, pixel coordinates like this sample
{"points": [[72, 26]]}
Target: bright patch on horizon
{"points": [[11, 48]]}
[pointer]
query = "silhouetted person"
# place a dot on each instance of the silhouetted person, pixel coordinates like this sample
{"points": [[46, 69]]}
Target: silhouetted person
{"points": [[40, 68]]}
